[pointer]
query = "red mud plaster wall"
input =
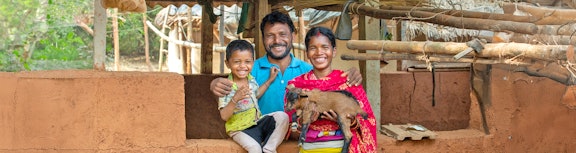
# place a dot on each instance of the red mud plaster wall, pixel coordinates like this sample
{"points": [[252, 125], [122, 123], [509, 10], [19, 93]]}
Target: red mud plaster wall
{"points": [[527, 115], [91, 110], [407, 98]]}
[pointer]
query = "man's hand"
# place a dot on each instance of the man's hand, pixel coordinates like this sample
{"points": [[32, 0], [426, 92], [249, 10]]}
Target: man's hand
{"points": [[354, 78], [221, 87]]}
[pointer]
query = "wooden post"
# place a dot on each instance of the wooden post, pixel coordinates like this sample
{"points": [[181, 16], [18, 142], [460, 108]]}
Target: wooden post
{"points": [[99, 36], [146, 43], [207, 38], [301, 34], [221, 36], [262, 9], [116, 39], [371, 69], [189, 38]]}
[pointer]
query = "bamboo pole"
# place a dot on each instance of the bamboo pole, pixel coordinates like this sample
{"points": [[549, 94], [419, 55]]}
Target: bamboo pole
{"points": [[544, 39], [548, 16], [439, 18], [567, 29], [415, 57], [467, 14], [189, 69], [180, 42], [99, 36], [493, 50], [146, 43], [161, 51], [116, 40]]}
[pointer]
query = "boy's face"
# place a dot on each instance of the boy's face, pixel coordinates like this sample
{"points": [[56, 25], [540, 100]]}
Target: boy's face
{"points": [[240, 63]]}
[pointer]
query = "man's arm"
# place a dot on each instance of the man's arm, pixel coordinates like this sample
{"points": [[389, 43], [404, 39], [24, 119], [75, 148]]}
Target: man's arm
{"points": [[221, 87]]}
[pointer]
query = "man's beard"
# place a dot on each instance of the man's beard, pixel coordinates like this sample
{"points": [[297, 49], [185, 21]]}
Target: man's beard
{"points": [[286, 52]]}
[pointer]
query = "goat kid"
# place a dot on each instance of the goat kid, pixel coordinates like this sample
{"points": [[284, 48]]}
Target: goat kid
{"points": [[315, 101]]}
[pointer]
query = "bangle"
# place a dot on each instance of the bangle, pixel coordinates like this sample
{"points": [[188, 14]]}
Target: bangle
{"points": [[234, 101]]}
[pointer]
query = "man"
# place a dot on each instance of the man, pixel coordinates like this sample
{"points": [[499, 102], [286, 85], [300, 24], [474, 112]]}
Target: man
{"points": [[278, 33]]}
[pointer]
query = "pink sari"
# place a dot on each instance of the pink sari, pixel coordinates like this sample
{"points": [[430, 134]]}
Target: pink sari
{"points": [[364, 138]]}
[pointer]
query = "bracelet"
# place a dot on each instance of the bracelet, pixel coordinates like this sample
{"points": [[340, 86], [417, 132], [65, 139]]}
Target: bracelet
{"points": [[234, 101]]}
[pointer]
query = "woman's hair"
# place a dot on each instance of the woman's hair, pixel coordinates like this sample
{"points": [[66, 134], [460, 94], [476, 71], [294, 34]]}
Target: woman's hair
{"points": [[238, 45], [274, 17], [320, 31]]}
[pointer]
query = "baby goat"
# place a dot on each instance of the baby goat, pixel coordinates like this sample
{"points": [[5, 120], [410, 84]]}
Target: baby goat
{"points": [[342, 102]]}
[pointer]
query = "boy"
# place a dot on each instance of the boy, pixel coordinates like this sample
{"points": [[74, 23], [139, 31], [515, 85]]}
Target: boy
{"points": [[244, 121]]}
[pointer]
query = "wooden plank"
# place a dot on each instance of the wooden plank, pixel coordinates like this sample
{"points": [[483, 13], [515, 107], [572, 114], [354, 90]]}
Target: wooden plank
{"points": [[207, 38], [402, 132]]}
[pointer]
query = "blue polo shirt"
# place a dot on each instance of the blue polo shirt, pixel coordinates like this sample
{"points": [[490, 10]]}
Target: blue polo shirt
{"points": [[273, 99]]}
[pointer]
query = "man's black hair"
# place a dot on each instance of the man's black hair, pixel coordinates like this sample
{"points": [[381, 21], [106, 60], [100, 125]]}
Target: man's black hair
{"points": [[276, 17]]}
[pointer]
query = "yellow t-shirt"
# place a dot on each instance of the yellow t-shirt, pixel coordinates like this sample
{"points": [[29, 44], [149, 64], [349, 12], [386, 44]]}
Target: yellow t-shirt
{"points": [[246, 113]]}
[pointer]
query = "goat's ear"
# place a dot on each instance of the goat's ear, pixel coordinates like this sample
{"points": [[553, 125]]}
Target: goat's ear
{"points": [[290, 87]]}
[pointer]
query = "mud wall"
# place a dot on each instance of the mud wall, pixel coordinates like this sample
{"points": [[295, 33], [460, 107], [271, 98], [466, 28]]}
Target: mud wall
{"points": [[406, 97], [527, 114], [91, 111], [202, 116]]}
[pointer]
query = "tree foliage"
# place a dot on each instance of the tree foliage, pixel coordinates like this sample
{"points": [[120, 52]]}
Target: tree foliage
{"points": [[44, 34]]}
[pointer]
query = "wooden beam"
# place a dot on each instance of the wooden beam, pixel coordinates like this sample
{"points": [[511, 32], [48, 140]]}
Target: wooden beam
{"points": [[207, 38], [421, 57], [261, 9], [440, 19], [494, 50], [548, 16], [466, 14], [99, 36]]}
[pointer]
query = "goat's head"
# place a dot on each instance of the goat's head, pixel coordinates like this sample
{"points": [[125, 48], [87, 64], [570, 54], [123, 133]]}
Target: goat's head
{"points": [[293, 97]]}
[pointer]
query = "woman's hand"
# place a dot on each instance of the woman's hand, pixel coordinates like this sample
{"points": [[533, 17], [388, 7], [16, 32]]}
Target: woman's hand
{"points": [[329, 115]]}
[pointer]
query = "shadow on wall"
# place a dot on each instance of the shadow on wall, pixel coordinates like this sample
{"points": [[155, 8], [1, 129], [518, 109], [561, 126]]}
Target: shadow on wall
{"points": [[202, 116]]}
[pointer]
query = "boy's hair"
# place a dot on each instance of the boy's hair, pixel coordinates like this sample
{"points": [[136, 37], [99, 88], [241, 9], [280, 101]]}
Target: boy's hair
{"points": [[320, 31], [238, 45], [274, 17]]}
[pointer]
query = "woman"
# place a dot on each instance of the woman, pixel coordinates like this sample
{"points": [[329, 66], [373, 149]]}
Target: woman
{"points": [[324, 134]]}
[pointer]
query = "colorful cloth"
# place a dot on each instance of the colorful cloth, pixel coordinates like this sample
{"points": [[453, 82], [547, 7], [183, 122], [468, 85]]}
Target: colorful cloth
{"points": [[321, 145], [321, 150], [363, 138], [246, 112], [271, 100], [320, 136]]}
